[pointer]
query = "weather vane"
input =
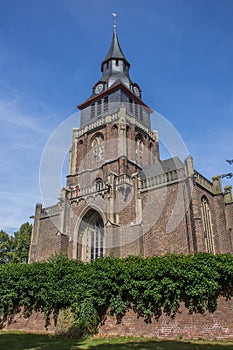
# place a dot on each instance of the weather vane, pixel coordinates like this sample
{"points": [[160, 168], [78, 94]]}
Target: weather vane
{"points": [[114, 19]]}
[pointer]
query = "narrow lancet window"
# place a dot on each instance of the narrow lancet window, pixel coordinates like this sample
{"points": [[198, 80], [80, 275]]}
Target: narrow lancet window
{"points": [[139, 149], [207, 225], [98, 147], [91, 237]]}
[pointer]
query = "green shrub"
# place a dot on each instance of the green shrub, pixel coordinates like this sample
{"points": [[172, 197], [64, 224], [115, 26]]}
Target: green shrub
{"points": [[149, 286]]}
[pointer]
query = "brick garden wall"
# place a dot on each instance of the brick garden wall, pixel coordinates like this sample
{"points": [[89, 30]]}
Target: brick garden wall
{"points": [[217, 325]]}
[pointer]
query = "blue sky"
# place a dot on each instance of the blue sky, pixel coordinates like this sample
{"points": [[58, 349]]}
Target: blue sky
{"points": [[181, 54]]}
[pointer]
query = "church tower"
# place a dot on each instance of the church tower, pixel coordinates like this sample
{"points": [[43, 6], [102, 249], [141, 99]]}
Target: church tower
{"points": [[120, 197], [113, 144]]}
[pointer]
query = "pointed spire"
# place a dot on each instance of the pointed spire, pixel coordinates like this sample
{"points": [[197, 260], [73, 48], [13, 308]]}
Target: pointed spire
{"points": [[115, 66], [115, 51]]}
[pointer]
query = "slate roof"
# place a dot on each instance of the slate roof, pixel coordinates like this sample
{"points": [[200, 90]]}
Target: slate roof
{"points": [[161, 167], [115, 50]]}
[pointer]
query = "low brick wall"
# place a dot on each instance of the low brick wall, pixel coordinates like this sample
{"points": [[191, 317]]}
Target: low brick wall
{"points": [[217, 325], [34, 323]]}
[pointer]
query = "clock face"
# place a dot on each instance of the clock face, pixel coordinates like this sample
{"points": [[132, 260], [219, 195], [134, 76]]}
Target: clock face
{"points": [[136, 91], [99, 88]]}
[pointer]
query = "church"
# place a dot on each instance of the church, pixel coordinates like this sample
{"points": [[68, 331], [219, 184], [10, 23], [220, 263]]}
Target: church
{"points": [[120, 197]]}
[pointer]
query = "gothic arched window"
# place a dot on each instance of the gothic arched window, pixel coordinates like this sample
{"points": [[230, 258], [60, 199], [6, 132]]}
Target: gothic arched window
{"points": [[207, 224], [91, 236], [113, 144], [80, 155], [151, 154], [98, 184], [98, 147], [139, 149], [114, 131]]}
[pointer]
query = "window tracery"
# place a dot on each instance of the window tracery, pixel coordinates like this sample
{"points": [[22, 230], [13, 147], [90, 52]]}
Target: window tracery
{"points": [[207, 224], [139, 149], [91, 236], [98, 147], [98, 184]]}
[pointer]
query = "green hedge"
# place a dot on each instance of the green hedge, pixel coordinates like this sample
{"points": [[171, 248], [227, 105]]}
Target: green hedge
{"points": [[149, 286]]}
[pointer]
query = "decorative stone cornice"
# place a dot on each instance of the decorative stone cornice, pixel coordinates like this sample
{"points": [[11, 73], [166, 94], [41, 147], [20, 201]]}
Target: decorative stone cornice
{"points": [[116, 117]]}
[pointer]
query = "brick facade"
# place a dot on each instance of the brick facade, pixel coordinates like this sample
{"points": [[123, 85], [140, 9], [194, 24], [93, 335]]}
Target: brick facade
{"points": [[147, 206], [120, 196]]}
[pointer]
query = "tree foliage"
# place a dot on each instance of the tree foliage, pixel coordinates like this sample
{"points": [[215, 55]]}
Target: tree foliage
{"points": [[20, 244], [228, 175], [149, 286], [4, 246], [15, 248]]}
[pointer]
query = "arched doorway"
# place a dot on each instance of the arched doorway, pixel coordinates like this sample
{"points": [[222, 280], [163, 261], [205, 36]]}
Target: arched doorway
{"points": [[91, 236]]}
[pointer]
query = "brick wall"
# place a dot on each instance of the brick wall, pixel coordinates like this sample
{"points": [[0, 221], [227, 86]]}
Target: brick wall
{"points": [[47, 241], [34, 323], [165, 229], [217, 325]]}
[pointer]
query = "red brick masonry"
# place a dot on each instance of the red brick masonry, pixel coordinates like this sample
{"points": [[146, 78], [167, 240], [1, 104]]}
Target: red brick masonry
{"points": [[217, 325]]}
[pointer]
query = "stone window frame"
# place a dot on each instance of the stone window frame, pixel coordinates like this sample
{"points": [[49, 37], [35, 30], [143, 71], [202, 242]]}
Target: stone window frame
{"points": [[207, 225], [97, 145], [99, 184], [92, 236], [139, 148]]}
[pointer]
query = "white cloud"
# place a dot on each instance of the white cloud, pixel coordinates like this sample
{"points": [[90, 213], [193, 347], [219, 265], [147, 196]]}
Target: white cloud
{"points": [[11, 113], [25, 127], [15, 209]]}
